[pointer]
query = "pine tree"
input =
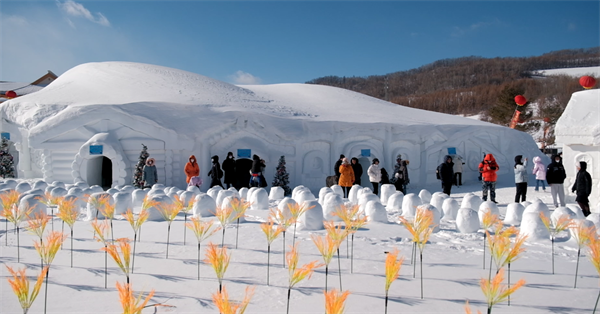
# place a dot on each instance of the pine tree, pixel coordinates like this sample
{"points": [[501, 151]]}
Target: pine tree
{"points": [[7, 169], [504, 109], [137, 174], [282, 177]]}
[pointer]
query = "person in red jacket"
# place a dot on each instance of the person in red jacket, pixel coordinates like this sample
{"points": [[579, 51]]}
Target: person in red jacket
{"points": [[488, 168], [191, 169]]}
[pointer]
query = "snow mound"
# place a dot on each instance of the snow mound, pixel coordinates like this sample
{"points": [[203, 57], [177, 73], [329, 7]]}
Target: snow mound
{"points": [[514, 214], [385, 191], [276, 193], [560, 212], [472, 201], [332, 202], [533, 227], [394, 202], [375, 212], [312, 219], [425, 196], [467, 220], [450, 208], [409, 205], [205, 206]]}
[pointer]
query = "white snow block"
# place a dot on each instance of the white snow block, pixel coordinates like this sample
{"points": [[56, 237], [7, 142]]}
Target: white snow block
{"points": [[75, 191], [205, 206], [472, 201], [154, 212], [573, 229], [158, 186], [332, 203], [436, 216], [32, 201], [188, 196], [112, 191], [525, 204], [283, 206], [338, 190], [243, 193], [595, 218], [450, 208], [312, 219], [227, 203], [385, 191], [41, 184], [92, 211], [58, 192], [214, 191], [194, 189], [364, 199], [487, 206], [96, 189], [276, 193], [37, 192], [80, 204], [222, 195], [172, 195], [304, 196], [127, 188], [55, 183], [260, 200], [562, 211], [23, 187], [375, 212], [537, 207], [156, 192], [322, 193], [533, 227], [394, 202], [123, 202], [437, 200], [425, 196], [577, 210], [514, 214], [297, 189], [410, 202], [138, 199], [353, 194], [467, 220]]}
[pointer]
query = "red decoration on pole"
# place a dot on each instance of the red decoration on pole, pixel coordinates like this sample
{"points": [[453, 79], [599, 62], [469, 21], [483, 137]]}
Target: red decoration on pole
{"points": [[520, 100], [547, 120], [10, 94], [515, 119], [587, 82]]}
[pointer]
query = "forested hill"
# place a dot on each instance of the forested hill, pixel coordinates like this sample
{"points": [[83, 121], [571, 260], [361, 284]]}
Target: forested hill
{"points": [[472, 85]]}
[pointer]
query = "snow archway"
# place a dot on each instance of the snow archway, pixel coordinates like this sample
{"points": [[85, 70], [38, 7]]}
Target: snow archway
{"points": [[89, 159]]}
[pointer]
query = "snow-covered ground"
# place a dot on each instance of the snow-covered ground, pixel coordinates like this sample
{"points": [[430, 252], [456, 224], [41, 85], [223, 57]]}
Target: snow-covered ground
{"points": [[452, 268], [593, 71]]}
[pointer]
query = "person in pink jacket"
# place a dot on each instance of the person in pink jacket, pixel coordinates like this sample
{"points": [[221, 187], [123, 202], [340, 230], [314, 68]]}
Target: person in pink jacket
{"points": [[540, 173]]}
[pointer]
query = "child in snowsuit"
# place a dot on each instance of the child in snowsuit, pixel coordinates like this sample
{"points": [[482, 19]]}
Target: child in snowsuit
{"points": [[520, 178], [540, 173]]}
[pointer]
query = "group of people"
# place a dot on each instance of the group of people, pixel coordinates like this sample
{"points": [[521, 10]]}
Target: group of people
{"points": [[348, 173], [227, 172]]}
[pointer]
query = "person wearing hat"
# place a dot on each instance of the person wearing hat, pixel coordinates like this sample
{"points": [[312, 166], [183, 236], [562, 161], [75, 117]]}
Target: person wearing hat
{"points": [[336, 168], [346, 176], [149, 174], [400, 178], [374, 175], [520, 178], [583, 188]]}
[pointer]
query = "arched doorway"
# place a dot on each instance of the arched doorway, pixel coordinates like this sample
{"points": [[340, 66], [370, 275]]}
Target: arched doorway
{"points": [[99, 172]]}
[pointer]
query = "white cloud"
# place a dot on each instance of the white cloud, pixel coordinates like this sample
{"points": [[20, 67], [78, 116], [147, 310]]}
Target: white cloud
{"points": [[243, 78], [458, 31], [75, 9]]}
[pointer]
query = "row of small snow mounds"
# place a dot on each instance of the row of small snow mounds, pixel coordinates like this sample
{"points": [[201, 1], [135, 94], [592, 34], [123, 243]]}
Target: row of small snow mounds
{"points": [[376, 208]]}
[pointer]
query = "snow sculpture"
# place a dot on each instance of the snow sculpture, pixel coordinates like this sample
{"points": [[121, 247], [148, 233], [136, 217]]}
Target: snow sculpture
{"points": [[385, 192], [112, 191], [375, 211], [194, 189], [467, 220], [22, 187], [283, 206], [153, 212], [487, 206], [472, 201], [533, 227], [81, 184], [158, 186], [450, 208], [323, 192], [577, 210], [312, 219], [243, 193], [32, 201], [436, 216], [576, 224], [537, 207], [58, 192], [260, 199], [425, 196], [338, 190], [205, 206], [96, 189], [276, 193], [437, 200], [172, 195], [127, 189], [250, 193], [332, 203], [187, 196], [153, 192], [562, 211], [123, 202], [138, 198], [364, 199], [296, 190], [41, 184], [214, 191], [514, 214], [409, 205], [55, 183], [92, 210], [353, 194], [525, 204], [394, 202], [227, 203], [222, 195], [304, 196], [75, 191], [594, 218]]}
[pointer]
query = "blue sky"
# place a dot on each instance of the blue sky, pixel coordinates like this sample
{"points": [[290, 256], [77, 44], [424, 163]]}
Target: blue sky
{"points": [[268, 42]]}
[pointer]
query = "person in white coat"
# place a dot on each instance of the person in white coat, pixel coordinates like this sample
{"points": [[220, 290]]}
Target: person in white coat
{"points": [[374, 175], [520, 178], [458, 169]]}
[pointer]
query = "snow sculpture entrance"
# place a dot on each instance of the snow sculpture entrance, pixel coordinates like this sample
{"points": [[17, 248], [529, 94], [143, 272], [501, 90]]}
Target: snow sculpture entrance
{"points": [[100, 161]]}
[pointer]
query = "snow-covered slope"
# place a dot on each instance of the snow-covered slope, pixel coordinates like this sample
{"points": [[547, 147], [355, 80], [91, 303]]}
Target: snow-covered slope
{"points": [[593, 71]]}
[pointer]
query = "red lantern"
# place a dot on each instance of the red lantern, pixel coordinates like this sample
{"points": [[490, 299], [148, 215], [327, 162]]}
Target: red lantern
{"points": [[547, 120], [11, 94], [520, 100], [587, 82]]}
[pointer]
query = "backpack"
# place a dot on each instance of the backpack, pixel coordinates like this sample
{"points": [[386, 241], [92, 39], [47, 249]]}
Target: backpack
{"points": [[437, 172]]}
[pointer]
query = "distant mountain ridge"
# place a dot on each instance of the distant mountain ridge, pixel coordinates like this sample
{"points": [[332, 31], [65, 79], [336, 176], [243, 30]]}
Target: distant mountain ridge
{"points": [[472, 85]]}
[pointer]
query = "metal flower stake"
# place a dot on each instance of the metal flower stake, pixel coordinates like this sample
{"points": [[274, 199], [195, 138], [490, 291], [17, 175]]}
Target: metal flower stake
{"points": [[284, 222], [169, 212], [68, 213], [47, 251], [20, 286], [392, 271], [16, 217], [353, 220], [488, 220], [495, 292], [9, 201], [51, 202], [338, 235], [420, 228], [219, 260], [185, 208], [147, 203], [594, 256], [36, 225], [136, 225], [225, 306], [239, 207], [297, 274], [326, 246], [101, 235], [108, 211], [271, 232], [131, 304], [203, 230], [334, 301], [582, 235], [121, 254], [561, 225], [225, 215], [297, 210]]}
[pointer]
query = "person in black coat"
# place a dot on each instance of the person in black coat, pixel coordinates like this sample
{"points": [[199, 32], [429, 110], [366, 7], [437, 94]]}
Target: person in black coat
{"points": [[215, 172], [336, 168], [229, 168], [256, 171], [555, 176], [446, 174], [385, 177], [583, 188], [358, 170]]}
